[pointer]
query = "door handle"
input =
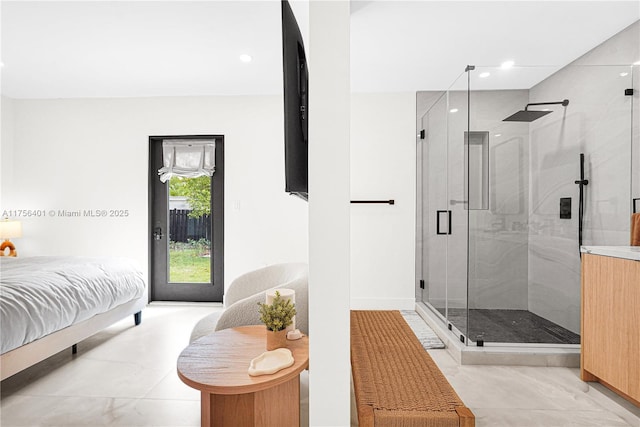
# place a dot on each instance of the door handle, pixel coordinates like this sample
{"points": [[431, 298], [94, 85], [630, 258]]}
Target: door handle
{"points": [[438, 214], [157, 233]]}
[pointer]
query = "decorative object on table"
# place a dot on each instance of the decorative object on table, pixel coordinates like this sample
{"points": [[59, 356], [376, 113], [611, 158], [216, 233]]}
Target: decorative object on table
{"points": [[9, 229], [294, 335], [292, 332], [285, 294], [277, 315], [271, 362]]}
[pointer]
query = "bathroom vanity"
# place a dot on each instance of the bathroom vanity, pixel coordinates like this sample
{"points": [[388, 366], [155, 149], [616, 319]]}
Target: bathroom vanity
{"points": [[611, 318]]}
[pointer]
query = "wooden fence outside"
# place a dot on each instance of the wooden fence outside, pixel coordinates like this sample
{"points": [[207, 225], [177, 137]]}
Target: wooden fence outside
{"points": [[182, 228]]}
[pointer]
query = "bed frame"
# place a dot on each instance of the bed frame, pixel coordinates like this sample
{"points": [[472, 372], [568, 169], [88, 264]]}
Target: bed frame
{"points": [[28, 355]]}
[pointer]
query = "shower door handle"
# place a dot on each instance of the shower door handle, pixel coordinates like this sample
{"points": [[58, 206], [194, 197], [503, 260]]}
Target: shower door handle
{"points": [[438, 215]]}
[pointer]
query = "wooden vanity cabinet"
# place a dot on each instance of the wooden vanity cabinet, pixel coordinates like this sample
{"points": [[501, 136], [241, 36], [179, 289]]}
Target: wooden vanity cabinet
{"points": [[611, 324]]}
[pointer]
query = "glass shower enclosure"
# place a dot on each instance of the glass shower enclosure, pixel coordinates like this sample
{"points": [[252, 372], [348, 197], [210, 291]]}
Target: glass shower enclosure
{"points": [[504, 199]]}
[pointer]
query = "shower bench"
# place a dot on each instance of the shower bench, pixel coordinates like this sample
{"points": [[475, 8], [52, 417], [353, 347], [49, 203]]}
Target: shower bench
{"points": [[396, 382]]}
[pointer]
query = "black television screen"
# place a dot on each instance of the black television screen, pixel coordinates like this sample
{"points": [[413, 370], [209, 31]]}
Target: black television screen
{"points": [[296, 106]]}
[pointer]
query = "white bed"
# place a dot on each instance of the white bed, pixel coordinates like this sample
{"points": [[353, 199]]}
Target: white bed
{"points": [[48, 304]]}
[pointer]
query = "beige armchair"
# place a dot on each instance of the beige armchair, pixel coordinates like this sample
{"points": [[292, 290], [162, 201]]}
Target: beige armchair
{"points": [[243, 294]]}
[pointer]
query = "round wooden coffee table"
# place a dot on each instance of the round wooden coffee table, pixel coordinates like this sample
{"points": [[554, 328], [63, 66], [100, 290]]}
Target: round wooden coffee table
{"points": [[217, 365]]}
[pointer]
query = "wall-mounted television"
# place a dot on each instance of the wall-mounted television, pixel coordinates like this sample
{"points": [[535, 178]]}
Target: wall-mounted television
{"points": [[296, 106]]}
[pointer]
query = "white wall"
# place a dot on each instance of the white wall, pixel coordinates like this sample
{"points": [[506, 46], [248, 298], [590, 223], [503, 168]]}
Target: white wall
{"points": [[93, 154], [6, 147], [80, 139], [329, 262], [383, 150]]}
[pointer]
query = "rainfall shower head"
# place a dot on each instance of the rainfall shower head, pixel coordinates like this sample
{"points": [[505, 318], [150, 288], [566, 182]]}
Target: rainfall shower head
{"points": [[527, 115]]}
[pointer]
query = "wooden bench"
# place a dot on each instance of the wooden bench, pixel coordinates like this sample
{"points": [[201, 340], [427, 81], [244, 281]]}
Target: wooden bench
{"points": [[396, 382]]}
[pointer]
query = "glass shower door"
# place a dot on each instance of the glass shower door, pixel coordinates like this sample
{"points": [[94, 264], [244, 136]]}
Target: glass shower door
{"points": [[433, 164], [458, 207], [443, 214]]}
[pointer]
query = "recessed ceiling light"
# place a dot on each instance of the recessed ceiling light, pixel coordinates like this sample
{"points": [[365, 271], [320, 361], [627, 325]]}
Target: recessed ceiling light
{"points": [[497, 135], [546, 109], [485, 74], [453, 110], [507, 64], [245, 58], [624, 74]]}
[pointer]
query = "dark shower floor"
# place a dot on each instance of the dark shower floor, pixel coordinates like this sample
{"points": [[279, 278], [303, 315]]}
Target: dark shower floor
{"points": [[510, 326]]}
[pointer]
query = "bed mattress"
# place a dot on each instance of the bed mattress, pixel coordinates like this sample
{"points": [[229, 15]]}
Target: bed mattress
{"points": [[41, 295]]}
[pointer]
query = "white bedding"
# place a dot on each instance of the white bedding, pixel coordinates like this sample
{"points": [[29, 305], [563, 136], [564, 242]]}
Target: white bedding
{"points": [[41, 295]]}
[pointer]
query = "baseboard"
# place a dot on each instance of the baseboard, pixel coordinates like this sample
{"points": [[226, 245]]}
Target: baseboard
{"points": [[383, 303]]}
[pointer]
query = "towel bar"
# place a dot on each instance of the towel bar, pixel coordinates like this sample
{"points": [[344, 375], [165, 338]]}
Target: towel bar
{"points": [[387, 202]]}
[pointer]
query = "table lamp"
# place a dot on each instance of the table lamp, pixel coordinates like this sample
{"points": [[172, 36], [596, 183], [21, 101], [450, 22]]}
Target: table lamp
{"points": [[9, 229]]}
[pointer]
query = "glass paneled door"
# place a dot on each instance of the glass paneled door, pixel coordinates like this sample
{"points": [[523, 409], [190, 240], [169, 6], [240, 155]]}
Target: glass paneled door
{"points": [[186, 228]]}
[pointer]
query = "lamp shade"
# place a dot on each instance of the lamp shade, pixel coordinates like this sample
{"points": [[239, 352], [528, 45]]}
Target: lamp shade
{"points": [[10, 229]]}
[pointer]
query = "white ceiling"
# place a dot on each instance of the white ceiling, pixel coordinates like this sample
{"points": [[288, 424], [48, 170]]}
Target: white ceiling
{"points": [[54, 49]]}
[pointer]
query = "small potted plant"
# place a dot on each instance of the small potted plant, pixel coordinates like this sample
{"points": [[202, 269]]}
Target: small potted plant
{"points": [[276, 317]]}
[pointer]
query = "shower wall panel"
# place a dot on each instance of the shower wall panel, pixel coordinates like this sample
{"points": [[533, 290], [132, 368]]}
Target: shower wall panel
{"points": [[624, 48], [598, 123], [457, 125], [497, 236]]}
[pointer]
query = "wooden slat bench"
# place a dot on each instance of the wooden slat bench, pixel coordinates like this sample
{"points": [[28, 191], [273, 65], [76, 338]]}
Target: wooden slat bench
{"points": [[396, 382]]}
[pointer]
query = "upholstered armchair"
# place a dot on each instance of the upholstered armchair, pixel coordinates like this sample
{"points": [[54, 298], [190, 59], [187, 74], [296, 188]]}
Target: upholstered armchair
{"points": [[243, 294]]}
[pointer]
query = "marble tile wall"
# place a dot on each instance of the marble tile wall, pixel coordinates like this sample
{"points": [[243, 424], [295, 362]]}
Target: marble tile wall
{"points": [[598, 123]]}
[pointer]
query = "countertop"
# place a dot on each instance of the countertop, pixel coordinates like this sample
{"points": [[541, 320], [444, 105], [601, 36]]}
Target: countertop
{"points": [[626, 252]]}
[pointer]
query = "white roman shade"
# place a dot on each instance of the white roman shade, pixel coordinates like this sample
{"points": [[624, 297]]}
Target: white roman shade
{"points": [[187, 158]]}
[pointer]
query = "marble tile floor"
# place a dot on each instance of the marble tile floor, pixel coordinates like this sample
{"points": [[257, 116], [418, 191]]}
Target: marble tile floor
{"points": [[122, 376], [523, 396], [125, 376]]}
